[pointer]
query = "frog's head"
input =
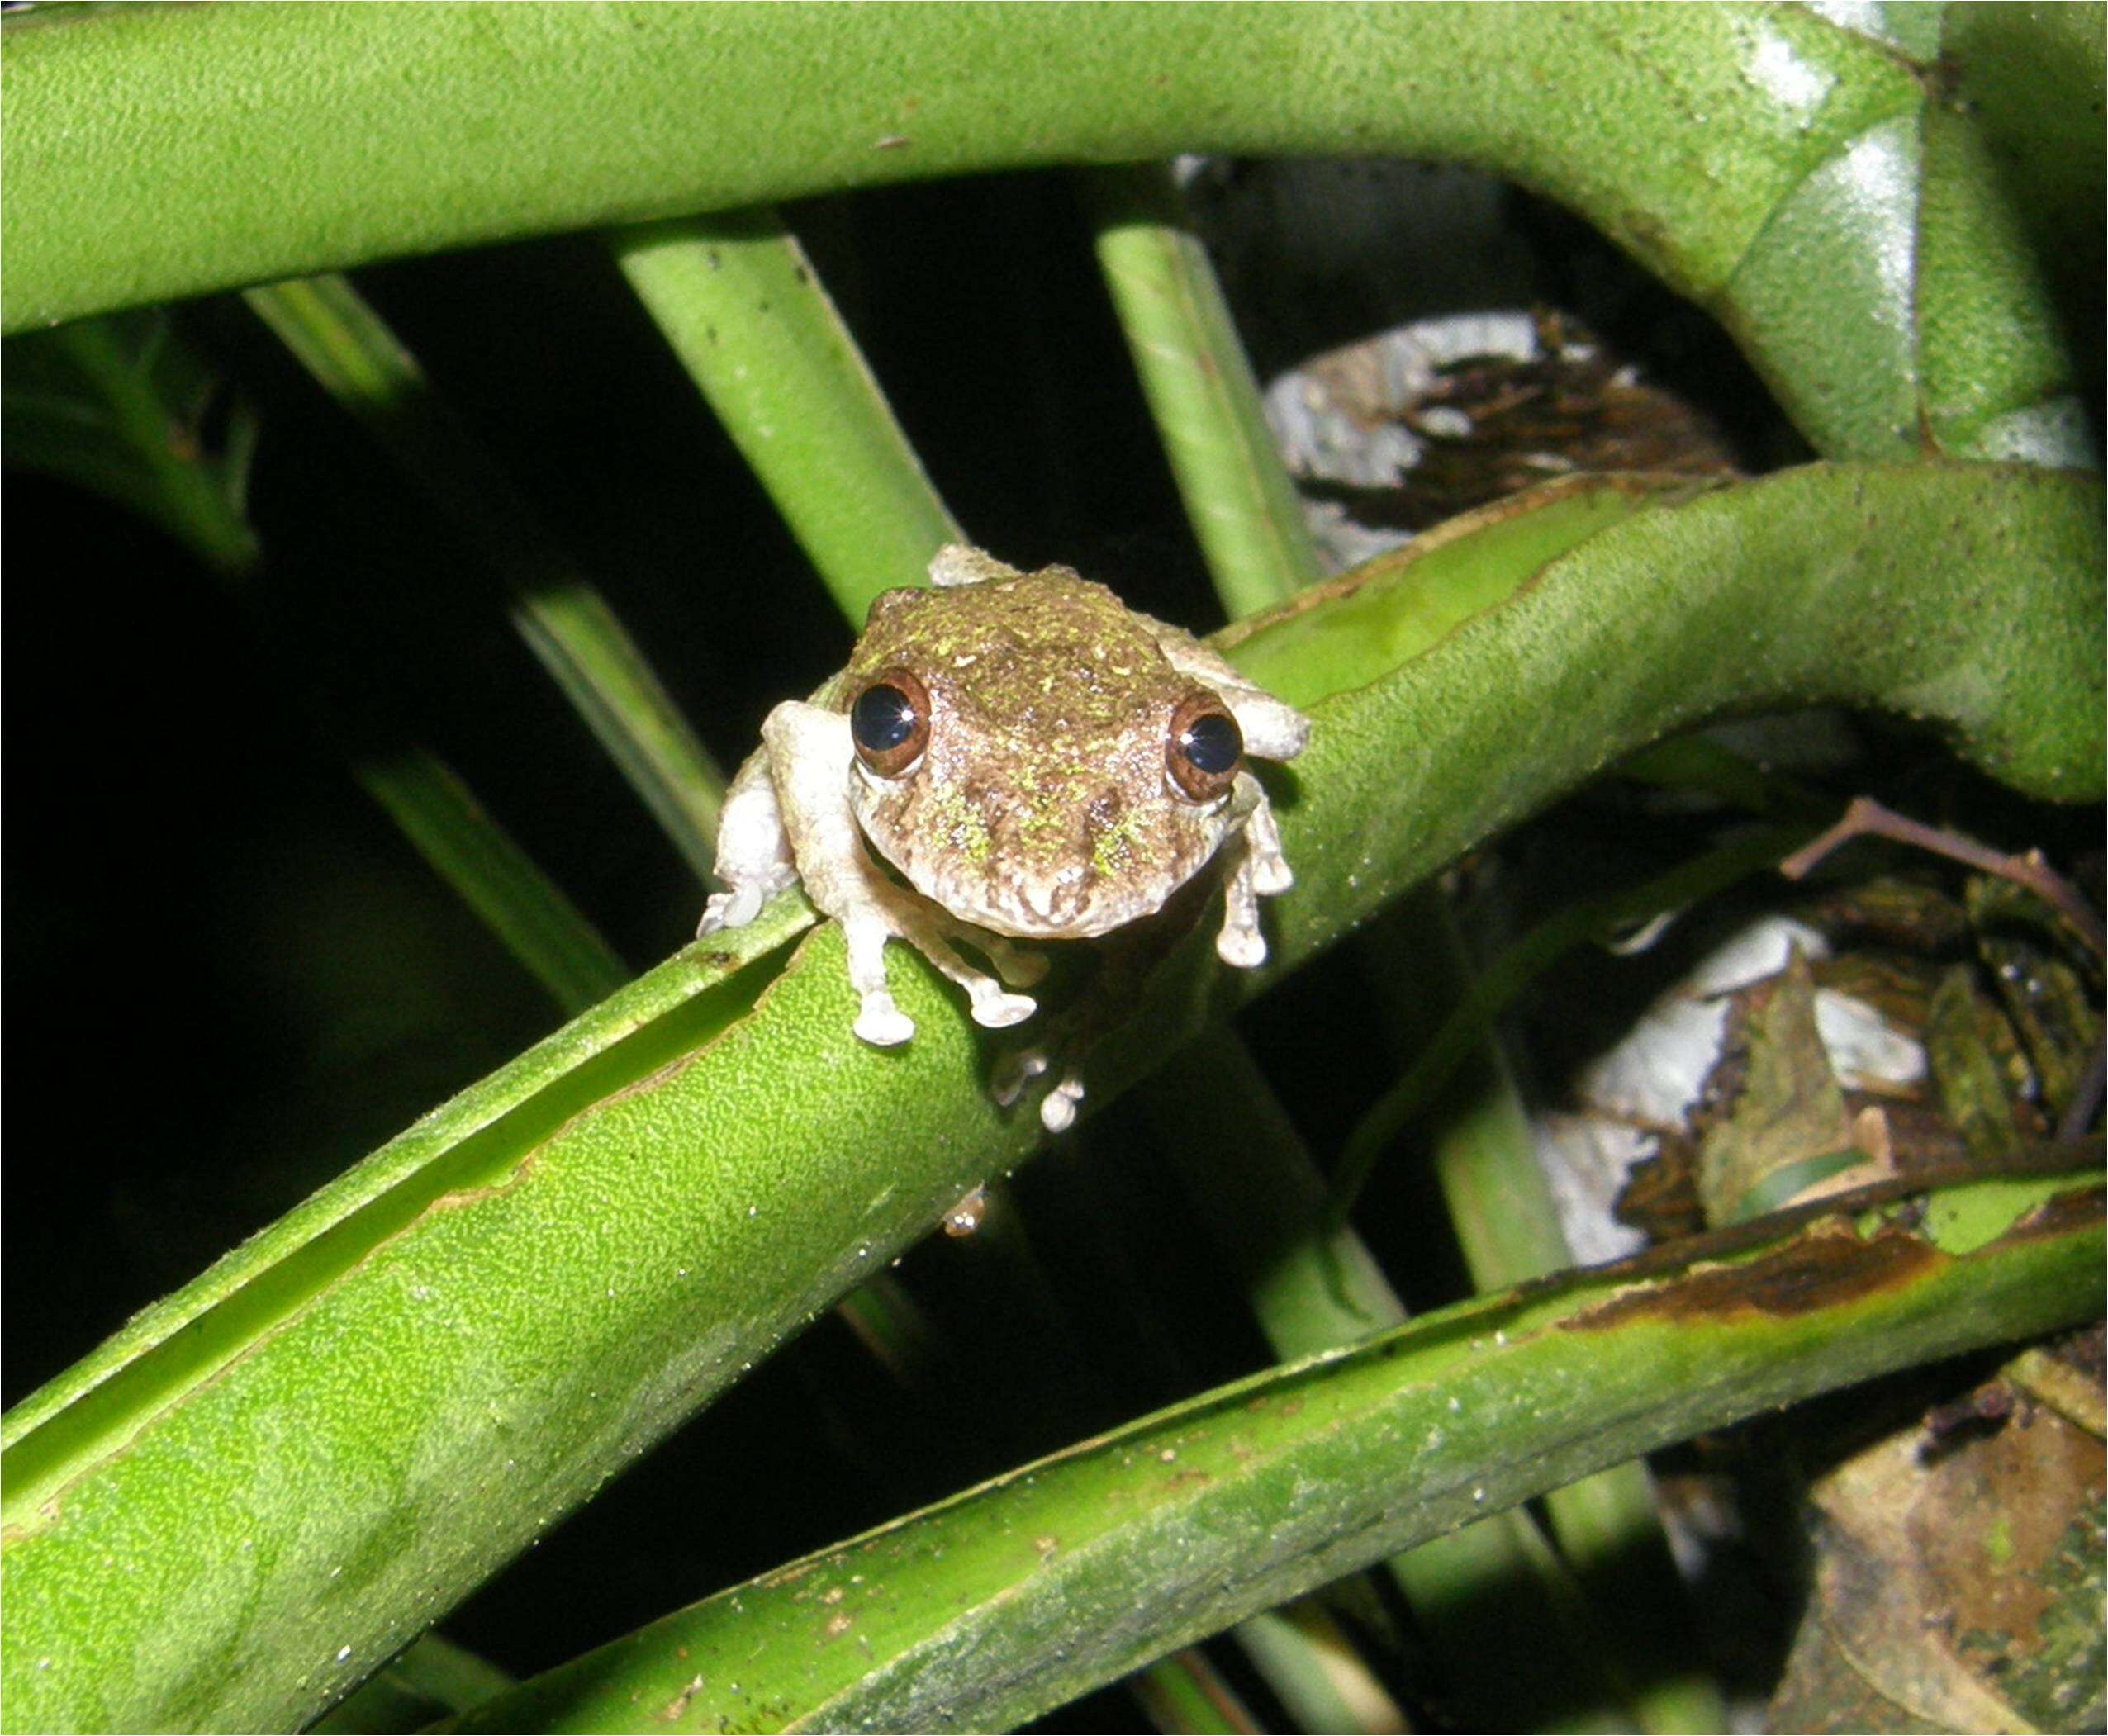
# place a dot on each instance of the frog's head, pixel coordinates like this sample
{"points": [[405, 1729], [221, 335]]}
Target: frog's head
{"points": [[1028, 757]]}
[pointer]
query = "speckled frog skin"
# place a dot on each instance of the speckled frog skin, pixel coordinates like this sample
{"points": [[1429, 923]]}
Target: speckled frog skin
{"points": [[1035, 759]]}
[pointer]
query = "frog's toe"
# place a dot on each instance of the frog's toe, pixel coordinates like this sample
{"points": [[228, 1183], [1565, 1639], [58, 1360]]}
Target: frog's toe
{"points": [[1057, 1109], [1015, 1072], [1018, 966], [1270, 876], [1246, 948], [733, 909], [881, 1023], [993, 1007]]}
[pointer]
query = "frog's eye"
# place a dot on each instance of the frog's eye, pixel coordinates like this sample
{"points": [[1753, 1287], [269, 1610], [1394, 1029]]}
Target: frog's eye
{"points": [[1205, 748], [889, 722]]}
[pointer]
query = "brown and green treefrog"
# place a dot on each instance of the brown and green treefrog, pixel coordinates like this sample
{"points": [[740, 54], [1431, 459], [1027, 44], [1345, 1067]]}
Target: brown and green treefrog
{"points": [[1034, 760]]}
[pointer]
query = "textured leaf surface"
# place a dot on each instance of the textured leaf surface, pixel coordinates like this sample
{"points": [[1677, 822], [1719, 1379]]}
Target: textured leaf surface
{"points": [[1808, 181], [1001, 1604]]}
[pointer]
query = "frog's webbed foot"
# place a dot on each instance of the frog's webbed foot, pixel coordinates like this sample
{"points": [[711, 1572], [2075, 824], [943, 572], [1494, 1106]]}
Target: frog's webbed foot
{"points": [[880, 912], [1260, 871]]}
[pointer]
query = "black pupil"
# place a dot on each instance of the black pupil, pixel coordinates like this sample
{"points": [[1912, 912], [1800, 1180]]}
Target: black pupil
{"points": [[1210, 744], [882, 717]]}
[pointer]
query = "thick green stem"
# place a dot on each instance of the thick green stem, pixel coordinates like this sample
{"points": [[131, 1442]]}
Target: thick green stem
{"points": [[741, 307]]}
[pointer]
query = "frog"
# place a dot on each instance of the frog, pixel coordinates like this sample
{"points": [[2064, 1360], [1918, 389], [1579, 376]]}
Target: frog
{"points": [[1008, 756]]}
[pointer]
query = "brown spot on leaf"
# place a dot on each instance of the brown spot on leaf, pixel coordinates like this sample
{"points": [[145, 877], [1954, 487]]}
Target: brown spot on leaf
{"points": [[1825, 1267]]}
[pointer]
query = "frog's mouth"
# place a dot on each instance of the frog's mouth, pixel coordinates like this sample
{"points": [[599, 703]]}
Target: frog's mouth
{"points": [[1073, 873], [1052, 909], [1077, 901]]}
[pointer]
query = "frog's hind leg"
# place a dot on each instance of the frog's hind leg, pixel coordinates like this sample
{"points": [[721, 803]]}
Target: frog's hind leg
{"points": [[1019, 966], [753, 850], [991, 1002]]}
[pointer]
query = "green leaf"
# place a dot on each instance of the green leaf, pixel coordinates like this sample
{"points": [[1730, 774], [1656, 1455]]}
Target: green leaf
{"points": [[327, 1439], [1762, 159], [119, 407], [1004, 1602]]}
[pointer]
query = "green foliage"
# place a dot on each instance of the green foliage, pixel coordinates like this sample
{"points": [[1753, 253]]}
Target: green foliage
{"points": [[310, 1453]]}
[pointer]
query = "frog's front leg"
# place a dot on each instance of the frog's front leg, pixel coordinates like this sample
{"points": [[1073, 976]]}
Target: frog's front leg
{"points": [[1258, 870], [812, 757]]}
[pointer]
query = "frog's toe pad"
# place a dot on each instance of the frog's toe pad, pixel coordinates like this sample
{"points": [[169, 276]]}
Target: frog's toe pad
{"points": [[1057, 1109], [1246, 948], [993, 1008], [733, 909], [879, 1022], [1015, 1072], [1270, 876]]}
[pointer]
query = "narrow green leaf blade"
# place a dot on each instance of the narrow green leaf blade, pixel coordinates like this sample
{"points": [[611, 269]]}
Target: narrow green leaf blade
{"points": [[1003, 1603], [495, 878], [1238, 496]]}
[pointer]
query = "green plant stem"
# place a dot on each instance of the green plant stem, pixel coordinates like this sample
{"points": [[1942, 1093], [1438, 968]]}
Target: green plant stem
{"points": [[1182, 1520], [1239, 499], [1185, 1693], [565, 621], [741, 307], [1316, 1670], [1314, 1287]]}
